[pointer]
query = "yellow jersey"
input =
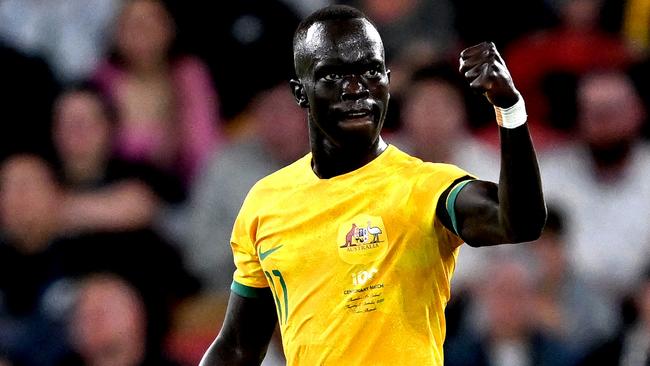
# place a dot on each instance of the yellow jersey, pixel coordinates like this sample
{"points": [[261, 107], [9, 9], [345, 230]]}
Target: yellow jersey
{"points": [[359, 265]]}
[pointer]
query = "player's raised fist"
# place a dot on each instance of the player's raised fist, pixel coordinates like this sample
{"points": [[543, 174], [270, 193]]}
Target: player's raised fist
{"points": [[487, 73]]}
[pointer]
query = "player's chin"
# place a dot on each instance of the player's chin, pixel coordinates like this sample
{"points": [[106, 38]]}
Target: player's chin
{"points": [[358, 137]]}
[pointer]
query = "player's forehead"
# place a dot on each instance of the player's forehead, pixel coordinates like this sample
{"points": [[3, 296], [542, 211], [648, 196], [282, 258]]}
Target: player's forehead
{"points": [[343, 41]]}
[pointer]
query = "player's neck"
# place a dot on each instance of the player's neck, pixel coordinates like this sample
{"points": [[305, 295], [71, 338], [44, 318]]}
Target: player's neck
{"points": [[330, 161]]}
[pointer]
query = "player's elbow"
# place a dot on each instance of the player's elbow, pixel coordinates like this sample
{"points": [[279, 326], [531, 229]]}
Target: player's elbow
{"points": [[529, 229]]}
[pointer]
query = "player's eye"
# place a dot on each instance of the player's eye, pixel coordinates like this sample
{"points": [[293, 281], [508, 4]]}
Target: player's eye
{"points": [[332, 77], [371, 73]]}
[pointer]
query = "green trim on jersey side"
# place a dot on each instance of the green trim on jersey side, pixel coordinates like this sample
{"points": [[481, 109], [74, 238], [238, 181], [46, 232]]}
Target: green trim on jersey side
{"points": [[247, 291]]}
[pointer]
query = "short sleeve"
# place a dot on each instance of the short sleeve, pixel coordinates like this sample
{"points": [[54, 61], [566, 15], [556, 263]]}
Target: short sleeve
{"points": [[436, 179], [248, 278]]}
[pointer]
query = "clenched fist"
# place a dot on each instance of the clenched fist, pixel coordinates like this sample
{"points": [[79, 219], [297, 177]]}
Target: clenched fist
{"points": [[487, 74]]}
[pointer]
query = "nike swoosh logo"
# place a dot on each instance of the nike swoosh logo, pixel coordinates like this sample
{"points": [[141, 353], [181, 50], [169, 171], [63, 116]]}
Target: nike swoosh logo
{"points": [[263, 255]]}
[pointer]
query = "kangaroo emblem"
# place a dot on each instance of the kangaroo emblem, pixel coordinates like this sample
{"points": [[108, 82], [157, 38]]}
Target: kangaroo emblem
{"points": [[349, 236]]}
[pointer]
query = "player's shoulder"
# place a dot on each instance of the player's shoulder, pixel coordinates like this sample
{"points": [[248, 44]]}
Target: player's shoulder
{"points": [[419, 167], [284, 178]]}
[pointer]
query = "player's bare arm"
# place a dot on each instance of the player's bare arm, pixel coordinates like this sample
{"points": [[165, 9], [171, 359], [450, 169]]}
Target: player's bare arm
{"points": [[514, 210], [246, 332]]}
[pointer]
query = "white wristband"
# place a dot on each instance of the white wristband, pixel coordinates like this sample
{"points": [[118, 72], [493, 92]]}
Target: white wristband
{"points": [[512, 117]]}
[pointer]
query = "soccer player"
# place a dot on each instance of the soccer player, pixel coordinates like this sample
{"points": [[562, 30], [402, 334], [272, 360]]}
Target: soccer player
{"points": [[351, 248]]}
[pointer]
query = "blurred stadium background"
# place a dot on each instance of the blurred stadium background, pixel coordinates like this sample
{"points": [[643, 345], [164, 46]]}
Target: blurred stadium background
{"points": [[132, 130]]}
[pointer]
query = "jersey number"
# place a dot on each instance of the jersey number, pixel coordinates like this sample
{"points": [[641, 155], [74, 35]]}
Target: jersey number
{"points": [[276, 273]]}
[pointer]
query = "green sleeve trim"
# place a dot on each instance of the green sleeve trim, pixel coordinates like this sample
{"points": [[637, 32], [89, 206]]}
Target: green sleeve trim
{"points": [[247, 291], [451, 202]]}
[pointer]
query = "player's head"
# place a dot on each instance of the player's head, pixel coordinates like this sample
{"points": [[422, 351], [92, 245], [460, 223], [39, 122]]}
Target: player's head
{"points": [[341, 76]]}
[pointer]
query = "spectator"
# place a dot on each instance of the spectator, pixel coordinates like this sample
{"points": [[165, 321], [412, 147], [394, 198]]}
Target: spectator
{"points": [[576, 45], [272, 118], [600, 182], [565, 306], [110, 208], [631, 345], [506, 334], [437, 90], [108, 325], [104, 193], [153, 266], [166, 106], [217, 197], [38, 264], [29, 318]]}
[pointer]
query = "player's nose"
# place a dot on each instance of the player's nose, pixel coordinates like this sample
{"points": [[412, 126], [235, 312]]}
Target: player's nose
{"points": [[353, 88]]}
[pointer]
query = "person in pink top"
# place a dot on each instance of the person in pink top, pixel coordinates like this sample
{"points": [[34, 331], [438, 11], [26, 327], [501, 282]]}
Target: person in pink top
{"points": [[168, 110]]}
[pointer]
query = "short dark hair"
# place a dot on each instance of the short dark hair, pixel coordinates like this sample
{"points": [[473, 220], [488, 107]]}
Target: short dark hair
{"points": [[332, 12], [328, 13]]}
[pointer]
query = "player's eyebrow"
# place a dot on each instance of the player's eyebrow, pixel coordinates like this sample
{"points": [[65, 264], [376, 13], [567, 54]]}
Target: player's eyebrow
{"points": [[337, 65]]}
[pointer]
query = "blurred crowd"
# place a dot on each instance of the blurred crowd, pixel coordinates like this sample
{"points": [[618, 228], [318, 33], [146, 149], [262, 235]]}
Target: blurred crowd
{"points": [[133, 129]]}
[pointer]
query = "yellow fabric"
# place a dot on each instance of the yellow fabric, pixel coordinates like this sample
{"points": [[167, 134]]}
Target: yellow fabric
{"points": [[636, 23], [359, 265]]}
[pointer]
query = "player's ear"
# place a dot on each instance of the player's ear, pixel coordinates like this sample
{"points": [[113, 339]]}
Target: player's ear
{"points": [[388, 75], [298, 91]]}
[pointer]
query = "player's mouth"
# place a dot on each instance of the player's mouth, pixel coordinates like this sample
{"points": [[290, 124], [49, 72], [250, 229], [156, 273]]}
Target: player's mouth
{"points": [[356, 117]]}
